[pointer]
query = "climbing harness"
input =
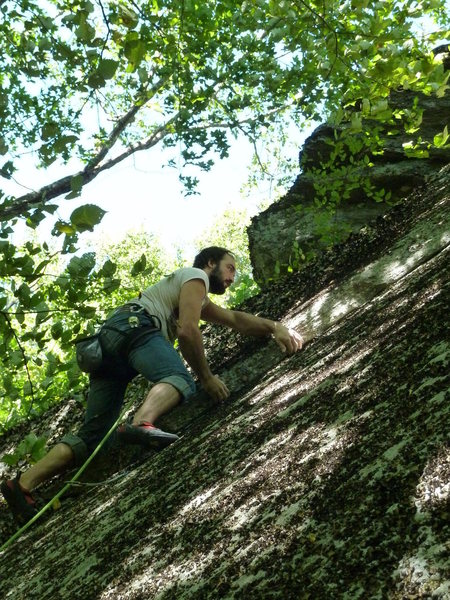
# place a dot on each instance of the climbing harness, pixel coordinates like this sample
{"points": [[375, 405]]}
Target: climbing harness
{"points": [[89, 350]]}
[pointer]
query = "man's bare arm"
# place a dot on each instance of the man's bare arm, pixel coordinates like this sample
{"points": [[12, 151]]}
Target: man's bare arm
{"points": [[288, 340], [191, 340]]}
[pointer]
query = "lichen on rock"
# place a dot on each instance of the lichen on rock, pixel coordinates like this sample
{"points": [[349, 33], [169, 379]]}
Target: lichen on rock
{"points": [[326, 473]]}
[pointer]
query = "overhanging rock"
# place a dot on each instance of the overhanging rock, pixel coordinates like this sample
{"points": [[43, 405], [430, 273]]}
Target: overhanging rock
{"points": [[327, 473], [349, 173]]}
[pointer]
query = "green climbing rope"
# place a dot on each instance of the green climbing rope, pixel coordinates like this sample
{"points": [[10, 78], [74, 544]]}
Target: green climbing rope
{"points": [[64, 489]]}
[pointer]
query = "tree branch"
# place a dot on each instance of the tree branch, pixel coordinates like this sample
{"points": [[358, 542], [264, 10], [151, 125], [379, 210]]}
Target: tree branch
{"points": [[63, 186], [123, 123]]}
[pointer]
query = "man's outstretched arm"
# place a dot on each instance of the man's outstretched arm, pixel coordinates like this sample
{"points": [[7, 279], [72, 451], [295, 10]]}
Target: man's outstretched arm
{"points": [[190, 338], [288, 340]]}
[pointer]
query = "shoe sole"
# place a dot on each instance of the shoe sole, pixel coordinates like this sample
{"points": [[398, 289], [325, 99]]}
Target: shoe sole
{"points": [[20, 509], [155, 441]]}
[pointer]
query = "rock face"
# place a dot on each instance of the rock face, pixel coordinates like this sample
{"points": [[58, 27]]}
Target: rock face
{"points": [[325, 475], [296, 227]]}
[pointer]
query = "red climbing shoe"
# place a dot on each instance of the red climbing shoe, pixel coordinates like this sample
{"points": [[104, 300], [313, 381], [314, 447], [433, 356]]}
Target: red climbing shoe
{"points": [[21, 502], [146, 435]]}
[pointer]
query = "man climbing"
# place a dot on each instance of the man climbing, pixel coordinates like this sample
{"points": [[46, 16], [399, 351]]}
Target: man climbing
{"points": [[138, 339]]}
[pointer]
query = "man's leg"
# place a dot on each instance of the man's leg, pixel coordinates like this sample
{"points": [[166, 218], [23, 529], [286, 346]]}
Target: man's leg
{"points": [[106, 392], [161, 398], [104, 402], [59, 457], [157, 361], [17, 491]]}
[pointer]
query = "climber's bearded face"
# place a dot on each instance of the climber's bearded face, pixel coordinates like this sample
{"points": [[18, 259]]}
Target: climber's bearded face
{"points": [[222, 275]]}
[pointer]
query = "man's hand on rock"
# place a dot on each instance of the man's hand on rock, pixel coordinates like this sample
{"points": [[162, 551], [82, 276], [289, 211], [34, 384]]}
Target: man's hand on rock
{"points": [[215, 388], [288, 340]]}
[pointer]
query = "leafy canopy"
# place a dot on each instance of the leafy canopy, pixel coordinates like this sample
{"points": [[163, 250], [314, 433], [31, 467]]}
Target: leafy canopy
{"points": [[190, 73]]}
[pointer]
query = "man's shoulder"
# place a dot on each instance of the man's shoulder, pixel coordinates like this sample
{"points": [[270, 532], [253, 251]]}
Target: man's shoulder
{"points": [[193, 270], [176, 280], [186, 273]]}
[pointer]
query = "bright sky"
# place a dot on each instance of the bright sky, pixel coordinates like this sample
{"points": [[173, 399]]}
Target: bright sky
{"points": [[141, 193]]}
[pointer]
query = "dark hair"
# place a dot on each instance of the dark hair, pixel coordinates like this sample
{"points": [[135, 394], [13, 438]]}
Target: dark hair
{"points": [[214, 253]]}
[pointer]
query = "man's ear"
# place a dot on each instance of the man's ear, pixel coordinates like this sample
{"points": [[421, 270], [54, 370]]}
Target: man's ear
{"points": [[211, 263]]}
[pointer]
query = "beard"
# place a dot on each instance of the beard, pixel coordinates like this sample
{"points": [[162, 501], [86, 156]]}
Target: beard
{"points": [[216, 285]]}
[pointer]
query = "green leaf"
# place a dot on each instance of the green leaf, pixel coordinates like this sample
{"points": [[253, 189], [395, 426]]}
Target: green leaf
{"points": [[38, 450], [44, 44], [56, 330], [128, 17], [85, 32], [108, 269], [24, 293], [76, 185], [96, 81], [440, 139], [111, 284], [86, 217], [139, 265], [87, 311], [143, 75], [27, 443], [356, 122], [11, 459], [63, 227], [16, 358], [107, 68], [42, 311], [134, 50], [7, 169], [49, 130], [81, 265], [415, 150], [63, 141]]}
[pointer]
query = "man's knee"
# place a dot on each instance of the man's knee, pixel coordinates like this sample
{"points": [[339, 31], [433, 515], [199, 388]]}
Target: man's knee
{"points": [[78, 446]]}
